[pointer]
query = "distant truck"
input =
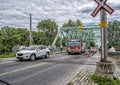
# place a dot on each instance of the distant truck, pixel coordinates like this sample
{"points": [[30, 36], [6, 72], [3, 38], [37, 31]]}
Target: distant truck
{"points": [[75, 46]]}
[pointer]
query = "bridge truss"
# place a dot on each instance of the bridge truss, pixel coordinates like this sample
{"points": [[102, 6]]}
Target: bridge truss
{"points": [[86, 34]]}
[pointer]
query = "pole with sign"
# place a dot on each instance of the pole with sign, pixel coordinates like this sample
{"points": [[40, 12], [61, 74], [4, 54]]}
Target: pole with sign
{"points": [[103, 68], [103, 7], [103, 18]]}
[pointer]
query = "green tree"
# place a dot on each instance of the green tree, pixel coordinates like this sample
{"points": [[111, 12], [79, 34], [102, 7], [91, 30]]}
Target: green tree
{"points": [[71, 23], [49, 28], [78, 22], [113, 34], [10, 37], [39, 38]]}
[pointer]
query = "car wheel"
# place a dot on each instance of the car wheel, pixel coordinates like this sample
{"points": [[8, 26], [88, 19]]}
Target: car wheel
{"points": [[32, 57], [69, 53], [20, 59], [47, 55]]}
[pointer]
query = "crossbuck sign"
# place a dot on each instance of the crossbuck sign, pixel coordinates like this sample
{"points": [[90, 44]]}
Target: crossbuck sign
{"points": [[102, 5]]}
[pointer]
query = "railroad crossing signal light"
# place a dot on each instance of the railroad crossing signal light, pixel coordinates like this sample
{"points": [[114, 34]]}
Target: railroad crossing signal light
{"points": [[80, 27]]}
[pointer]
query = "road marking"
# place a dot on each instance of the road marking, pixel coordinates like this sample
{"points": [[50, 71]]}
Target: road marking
{"points": [[36, 73], [21, 69]]}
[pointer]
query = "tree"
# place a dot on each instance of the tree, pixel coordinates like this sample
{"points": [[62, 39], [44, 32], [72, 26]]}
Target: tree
{"points": [[78, 22], [71, 23], [39, 38], [10, 37], [113, 34], [49, 28]]}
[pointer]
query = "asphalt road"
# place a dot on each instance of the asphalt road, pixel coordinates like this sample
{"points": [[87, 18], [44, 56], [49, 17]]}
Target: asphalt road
{"points": [[56, 70]]}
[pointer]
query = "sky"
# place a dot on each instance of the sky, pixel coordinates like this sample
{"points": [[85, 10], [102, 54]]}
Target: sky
{"points": [[15, 13]]}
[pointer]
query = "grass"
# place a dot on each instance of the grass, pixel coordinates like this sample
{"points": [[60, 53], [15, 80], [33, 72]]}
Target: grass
{"points": [[70, 83], [7, 55], [104, 80], [116, 58]]}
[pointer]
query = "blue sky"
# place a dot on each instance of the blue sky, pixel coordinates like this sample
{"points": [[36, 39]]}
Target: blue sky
{"points": [[15, 13]]}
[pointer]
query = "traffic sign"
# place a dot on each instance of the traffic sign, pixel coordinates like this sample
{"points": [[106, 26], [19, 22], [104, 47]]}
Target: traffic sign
{"points": [[102, 5]]}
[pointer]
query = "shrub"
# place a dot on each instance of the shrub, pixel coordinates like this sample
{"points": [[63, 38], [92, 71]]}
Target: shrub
{"points": [[70, 83], [104, 80], [7, 55]]}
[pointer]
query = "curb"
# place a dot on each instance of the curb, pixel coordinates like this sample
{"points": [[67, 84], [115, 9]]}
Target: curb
{"points": [[82, 78], [60, 52]]}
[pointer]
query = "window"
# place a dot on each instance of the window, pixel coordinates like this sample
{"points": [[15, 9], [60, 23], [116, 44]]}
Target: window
{"points": [[43, 47], [39, 48], [73, 44]]}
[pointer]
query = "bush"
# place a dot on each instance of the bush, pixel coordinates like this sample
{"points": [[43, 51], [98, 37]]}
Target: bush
{"points": [[109, 45], [104, 80], [70, 83], [7, 55], [92, 43]]}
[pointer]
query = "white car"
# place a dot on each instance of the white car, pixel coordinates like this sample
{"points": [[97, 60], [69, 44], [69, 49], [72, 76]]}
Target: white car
{"points": [[33, 52]]}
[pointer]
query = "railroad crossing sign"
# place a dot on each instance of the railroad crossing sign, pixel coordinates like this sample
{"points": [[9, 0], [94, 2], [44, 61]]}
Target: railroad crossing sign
{"points": [[102, 5]]}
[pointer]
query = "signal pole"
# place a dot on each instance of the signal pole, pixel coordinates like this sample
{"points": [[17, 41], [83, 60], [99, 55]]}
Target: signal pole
{"points": [[103, 19], [104, 68], [30, 43]]}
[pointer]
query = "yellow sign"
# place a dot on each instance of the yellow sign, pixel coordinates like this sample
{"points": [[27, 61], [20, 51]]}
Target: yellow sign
{"points": [[80, 27], [102, 24]]}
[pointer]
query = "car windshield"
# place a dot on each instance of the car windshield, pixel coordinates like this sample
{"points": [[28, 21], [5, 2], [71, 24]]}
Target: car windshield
{"points": [[73, 44], [31, 48]]}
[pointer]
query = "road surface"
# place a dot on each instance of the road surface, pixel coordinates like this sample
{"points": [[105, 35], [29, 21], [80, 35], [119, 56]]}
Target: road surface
{"points": [[56, 70]]}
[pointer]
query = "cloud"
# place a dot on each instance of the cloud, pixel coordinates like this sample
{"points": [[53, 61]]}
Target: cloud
{"points": [[16, 12]]}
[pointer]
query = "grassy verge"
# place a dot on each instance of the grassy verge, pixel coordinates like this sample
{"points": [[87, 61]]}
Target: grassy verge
{"points": [[70, 83], [104, 80], [7, 55], [116, 58]]}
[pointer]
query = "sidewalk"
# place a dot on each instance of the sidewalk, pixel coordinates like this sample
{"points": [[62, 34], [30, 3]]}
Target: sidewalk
{"points": [[82, 78]]}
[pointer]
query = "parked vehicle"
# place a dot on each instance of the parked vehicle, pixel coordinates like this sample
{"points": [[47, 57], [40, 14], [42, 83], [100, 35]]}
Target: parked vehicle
{"points": [[75, 46], [33, 52]]}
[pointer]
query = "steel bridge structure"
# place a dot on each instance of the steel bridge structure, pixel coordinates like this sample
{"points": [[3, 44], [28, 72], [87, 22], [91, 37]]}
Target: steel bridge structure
{"points": [[86, 34]]}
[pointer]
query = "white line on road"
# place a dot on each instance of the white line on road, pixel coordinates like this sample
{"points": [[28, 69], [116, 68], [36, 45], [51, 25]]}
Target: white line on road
{"points": [[36, 73], [21, 69]]}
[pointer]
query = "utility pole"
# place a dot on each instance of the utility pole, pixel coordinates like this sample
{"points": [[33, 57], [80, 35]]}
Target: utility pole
{"points": [[30, 43]]}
